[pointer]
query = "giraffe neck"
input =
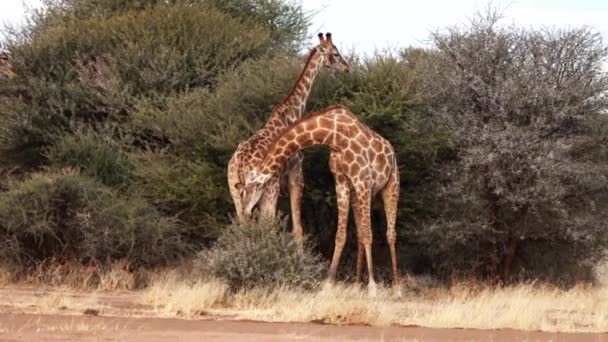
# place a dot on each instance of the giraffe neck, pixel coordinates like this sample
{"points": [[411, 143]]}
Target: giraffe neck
{"points": [[296, 100], [328, 127]]}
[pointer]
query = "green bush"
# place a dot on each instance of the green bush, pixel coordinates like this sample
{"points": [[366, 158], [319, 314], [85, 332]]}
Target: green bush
{"points": [[72, 217], [261, 254], [286, 19], [195, 191], [94, 156], [75, 70]]}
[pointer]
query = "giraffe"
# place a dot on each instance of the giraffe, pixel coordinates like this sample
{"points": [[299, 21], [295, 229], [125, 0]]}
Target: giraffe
{"points": [[290, 110], [363, 164], [6, 69]]}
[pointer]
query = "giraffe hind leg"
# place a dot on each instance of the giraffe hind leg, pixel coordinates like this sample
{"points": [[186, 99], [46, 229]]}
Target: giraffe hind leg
{"points": [[390, 198], [296, 188], [364, 234]]}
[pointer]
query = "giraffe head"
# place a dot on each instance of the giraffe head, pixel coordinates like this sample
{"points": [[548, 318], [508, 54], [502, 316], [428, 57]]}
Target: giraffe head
{"points": [[253, 189], [331, 57]]}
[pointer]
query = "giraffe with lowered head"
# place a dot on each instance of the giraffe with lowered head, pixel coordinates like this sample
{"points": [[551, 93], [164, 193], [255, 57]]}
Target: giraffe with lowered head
{"points": [[250, 152], [363, 164]]}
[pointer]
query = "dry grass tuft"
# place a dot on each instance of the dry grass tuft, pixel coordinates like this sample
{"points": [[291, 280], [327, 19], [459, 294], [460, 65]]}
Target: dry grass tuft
{"points": [[74, 275], [72, 325], [525, 306], [171, 295]]}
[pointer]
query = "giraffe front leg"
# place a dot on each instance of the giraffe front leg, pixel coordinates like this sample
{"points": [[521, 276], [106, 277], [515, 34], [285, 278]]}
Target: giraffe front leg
{"points": [[364, 232], [296, 188], [360, 249], [268, 200], [343, 199], [233, 179]]}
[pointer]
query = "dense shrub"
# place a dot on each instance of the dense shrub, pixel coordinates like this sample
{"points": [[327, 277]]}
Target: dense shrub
{"points": [[286, 20], [95, 156], [517, 103], [194, 191], [72, 217], [261, 254], [94, 69]]}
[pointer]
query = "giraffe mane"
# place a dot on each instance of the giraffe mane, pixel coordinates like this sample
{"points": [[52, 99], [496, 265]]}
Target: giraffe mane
{"points": [[312, 53]]}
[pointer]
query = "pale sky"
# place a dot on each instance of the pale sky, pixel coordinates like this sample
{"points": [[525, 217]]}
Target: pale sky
{"points": [[363, 26]]}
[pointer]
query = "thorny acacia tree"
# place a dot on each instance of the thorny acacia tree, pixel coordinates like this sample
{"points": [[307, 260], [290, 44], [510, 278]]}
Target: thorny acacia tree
{"points": [[518, 104]]}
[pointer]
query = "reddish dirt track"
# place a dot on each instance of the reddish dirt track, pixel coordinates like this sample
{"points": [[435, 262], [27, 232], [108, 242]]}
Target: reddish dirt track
{"points": [[29, 327]]}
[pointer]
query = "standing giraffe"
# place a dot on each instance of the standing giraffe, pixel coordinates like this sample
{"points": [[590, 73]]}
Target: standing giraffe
{"points": [[250, 152], [6, 69], [363, 164]]}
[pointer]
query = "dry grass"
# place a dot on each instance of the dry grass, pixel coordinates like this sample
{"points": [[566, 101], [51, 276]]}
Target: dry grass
{"points": [[525, 307], [73, 325], [74, 275], [172, 294]]}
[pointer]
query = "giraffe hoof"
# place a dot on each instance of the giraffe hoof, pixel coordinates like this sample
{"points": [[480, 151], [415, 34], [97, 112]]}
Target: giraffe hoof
{"points": [[397, 292]]}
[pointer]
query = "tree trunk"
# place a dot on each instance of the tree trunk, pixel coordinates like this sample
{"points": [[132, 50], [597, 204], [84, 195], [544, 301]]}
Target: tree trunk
{"points": [[509, 256], [515, 234]]}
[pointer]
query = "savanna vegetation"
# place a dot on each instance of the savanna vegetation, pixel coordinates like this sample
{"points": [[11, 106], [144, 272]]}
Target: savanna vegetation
{"points": [[116, 132]]}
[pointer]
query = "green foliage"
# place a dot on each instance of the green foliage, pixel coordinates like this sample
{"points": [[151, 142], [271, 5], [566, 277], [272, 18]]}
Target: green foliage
{"points": [[286, 19], [195, 191], [71, 217], [94, 69], [95, 156], [261, 254], [203, 123]]}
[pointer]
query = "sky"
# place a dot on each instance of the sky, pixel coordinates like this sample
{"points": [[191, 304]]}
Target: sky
{"points": [[365, 26]]}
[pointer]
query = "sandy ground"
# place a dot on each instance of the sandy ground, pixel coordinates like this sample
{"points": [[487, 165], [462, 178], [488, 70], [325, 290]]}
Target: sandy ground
{"points": [[36, 315], [28, 327]]}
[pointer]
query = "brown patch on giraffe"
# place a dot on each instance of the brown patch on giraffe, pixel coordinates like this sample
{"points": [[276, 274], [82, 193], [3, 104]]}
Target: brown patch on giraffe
{"points": [[320, 135], [341, 118], [382, 164], [340, 139], [282, 142], [351, 130], [326, 123], [359, 160], [355, 147], [310, 125], [362, 139], [377, 146], [348, 157], [292, 146], [305, 139], [355, 168]]}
